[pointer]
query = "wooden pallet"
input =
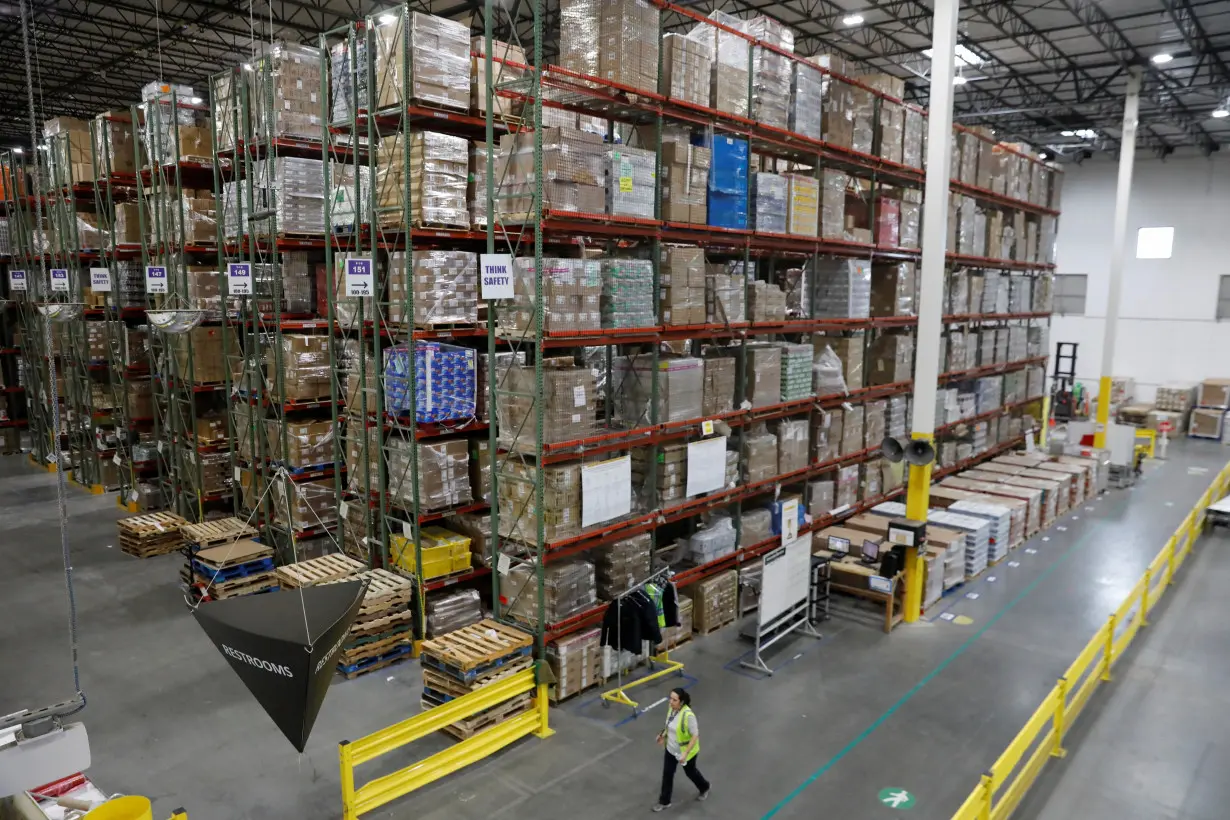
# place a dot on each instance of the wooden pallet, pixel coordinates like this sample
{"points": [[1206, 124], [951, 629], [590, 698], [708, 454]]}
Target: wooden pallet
{"points": [[239, 586], [221, 531], [374, 649], [448, 685], [230, 555], [334, 567], [714, 628], [468, 728], [151, 534], [475, 645], [376, 666], [377, 625]]}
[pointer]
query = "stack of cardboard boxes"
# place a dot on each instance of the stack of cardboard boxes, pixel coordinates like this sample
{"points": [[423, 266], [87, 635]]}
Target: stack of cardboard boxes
{"points": [[569, 395], [438, 59], [682, 279], [685, 175]]}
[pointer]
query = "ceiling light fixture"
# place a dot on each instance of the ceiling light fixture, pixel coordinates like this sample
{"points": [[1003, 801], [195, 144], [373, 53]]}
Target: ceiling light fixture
{"points": [[1161, 59], [852, 20], [1067, 133], [1044, 155], [20, 150], [197, 101], [959, 80], [1217, 114], [388, 19]]}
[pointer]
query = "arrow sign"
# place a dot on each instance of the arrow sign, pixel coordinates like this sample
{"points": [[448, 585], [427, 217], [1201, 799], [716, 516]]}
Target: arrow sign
{"points": [[284, 647], [17, 280], [359, 279], [59, 280], [239, 278], [155, 279]]}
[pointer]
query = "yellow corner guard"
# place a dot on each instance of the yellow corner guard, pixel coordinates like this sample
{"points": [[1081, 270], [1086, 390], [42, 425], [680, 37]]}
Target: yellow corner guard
{"points": [[619, 694], [382, 790], [1001, 789]]}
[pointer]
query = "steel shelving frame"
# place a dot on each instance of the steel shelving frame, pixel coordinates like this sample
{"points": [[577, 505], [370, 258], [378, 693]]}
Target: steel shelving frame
{"points": [[589, 95]]}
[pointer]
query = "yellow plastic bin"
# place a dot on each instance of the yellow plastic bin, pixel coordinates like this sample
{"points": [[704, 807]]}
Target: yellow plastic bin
{"points": [[130, 807]]}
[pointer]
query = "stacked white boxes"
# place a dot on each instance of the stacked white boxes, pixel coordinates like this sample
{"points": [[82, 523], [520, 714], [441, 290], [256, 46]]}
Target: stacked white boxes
{"points": [[1001, 524]]}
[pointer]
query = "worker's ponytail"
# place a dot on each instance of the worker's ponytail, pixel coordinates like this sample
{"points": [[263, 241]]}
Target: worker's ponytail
{"points": [[684, 697]]}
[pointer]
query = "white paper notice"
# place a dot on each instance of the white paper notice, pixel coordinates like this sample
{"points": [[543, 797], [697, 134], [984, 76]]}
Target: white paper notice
{"points": [[239, 278], [100, 280], [496, 271], [790, 520], [706, 465], [606, 490], [17, 280], [155, 279], [59, 280], [359, 279], [878, 583], [578, 396]]}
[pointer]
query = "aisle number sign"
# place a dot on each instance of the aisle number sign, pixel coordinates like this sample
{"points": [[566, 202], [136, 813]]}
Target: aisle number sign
{"points": [[359, 278], [100, 280], [496, 275], [239, 278], [156, 279], [17, 280], [59, 280]]}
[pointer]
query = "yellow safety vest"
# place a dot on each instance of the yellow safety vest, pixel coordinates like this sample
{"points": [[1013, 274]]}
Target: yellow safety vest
{"points": [[655, 595], [681, 732]]}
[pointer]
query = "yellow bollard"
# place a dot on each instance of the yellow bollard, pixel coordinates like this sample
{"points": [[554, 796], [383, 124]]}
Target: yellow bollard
{"points": [[1144, 598], [1061, 708], [1110, 649], [349, 810]]}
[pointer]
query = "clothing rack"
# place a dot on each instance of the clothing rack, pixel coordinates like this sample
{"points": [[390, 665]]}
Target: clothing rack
{"points": [[669, 667]]}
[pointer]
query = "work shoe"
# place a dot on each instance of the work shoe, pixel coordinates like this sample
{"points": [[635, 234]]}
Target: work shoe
{"points": [[705, 794], [661, 806]]}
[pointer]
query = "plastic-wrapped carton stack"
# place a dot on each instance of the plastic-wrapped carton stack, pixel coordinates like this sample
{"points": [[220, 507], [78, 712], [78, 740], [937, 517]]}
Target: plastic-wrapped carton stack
{"points": [[680, 383], [682, 280], [661, 482], [630, 182], [843, 288], [574, 172], [891, 359], [892, 289], [766, 302], [728, 182], [567, 391], [806, 100], [685, 175], [615, 40], [759, 457], [438, 59], [725, 296], [576, 663], [561, 505], [444, 381], [621, 566], [756, 526], [796, 371], [287, 104], [712, 542], [571, 291], [569, 588], [802, 205], [439, 174], [728, 82], [687, 62], [762, 387], [451, 612], [792, 444], [714, 601], [772, 72], [445, 287], [769, 202], [833, 187], [502, 73], [627, 293], [719, 389]]}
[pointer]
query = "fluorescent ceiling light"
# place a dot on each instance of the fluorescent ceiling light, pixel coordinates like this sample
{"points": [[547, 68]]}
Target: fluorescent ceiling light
{"points": [[852, 20], [1217, 113], [1161, 59], [197, 100], [959, 80], [388, 19], [20, 150], [1043, 155], [1067, 133], [964, 56]]}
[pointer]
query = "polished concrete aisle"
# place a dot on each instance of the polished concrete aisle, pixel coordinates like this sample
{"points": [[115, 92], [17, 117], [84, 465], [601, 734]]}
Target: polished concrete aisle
{"points": [[925, 709], [1154, 744]]}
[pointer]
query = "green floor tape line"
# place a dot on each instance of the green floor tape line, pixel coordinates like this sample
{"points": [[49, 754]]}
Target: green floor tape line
{"points": [[853, 744]]}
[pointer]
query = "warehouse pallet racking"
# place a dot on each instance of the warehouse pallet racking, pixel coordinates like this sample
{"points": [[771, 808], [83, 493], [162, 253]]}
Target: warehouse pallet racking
{"points": [[526, 455], [12, 372]]}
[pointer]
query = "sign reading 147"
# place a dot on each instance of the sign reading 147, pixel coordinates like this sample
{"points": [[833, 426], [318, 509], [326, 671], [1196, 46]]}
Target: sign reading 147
{"points": [[156, 279], [359, 280]]}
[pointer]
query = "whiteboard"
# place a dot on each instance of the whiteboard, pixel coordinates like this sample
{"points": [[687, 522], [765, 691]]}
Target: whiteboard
{"points": [[787, 579]]}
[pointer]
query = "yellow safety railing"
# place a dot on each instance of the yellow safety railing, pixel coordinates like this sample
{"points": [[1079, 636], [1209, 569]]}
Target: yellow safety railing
{"points": [[1001, 789], [377, 792]]}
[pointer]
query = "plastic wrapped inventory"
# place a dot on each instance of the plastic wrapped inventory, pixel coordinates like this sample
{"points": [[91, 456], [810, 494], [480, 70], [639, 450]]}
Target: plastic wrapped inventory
{"points": [[759, 456], [1035, 381], [343, 196], [444, 381], [1018, 343], [568, 588], [571, 293], [627, 293], [766, 303], [833, 204], [347, 80], [580, 35], [828, 373], [990, 391], [682, 286], [806, 100], [852, 430], [719, 389], [444, 473], [569, 398], [958, 294], [892, 130], [755, 526], [451, 612], [762, 387], [307, 443], [712, 542], [850, 350], [869, 479], [114, 143], [685, 179], [792, 444], [846, 487], [192, 217], [820, 497], [576, 663], [1020, 294], [621, 566], [843, 288], [1043, 295], [895, 419], [875, 423], [862, 119], [795, 283], [802, 205], [438, 63], [662, 480], [769, 202], [573, 173], [688, 63], [728, 83], [306, 369], [796, 371], [680, 389], [630, 182], [892, 289], [913, 135], [911, 224], [561, 513], [309, 504], [293, 188], [771, 78], [286, 98], [445, 285], [728, 182], [439, 167], [1014, 387], [725, 297], [503, 71]]}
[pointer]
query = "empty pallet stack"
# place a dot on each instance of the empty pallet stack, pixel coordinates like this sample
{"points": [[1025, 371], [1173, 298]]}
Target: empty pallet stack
{"points": [[466, 660], [243, 567], [151, 534]]}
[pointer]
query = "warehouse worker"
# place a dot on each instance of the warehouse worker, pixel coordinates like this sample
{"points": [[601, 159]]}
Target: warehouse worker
{"points": [[681, 736]]}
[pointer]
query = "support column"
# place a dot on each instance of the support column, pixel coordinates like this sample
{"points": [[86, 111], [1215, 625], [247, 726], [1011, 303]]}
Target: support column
{"points": [[1118, 251], [931, 280]]}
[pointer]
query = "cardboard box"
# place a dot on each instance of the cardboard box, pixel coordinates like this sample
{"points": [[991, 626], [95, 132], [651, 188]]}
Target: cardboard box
{"points": [[570, 397], [200, 352], [762, 386], [438, 60], [1213, 393], [719, 389], [306, 368], [893, 287], [687, 64], [714, 601]]}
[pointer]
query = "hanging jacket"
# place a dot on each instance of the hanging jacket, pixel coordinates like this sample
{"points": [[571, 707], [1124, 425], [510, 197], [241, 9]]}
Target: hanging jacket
{"points": [[665, 602], [630, 621]]}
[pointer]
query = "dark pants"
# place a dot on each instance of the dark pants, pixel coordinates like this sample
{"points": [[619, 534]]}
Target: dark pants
{"points": [[669, 762]]}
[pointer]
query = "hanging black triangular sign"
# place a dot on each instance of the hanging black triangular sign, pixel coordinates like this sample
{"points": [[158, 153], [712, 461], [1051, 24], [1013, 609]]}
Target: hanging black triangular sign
{"points": [[284, 646]]}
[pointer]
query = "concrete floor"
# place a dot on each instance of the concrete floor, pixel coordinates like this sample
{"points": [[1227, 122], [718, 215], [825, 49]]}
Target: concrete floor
{"points": [[925, 709]]}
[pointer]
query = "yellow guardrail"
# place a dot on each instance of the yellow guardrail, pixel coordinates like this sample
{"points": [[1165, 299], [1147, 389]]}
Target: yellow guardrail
{"points": [[1001, 789], [382, 790]]}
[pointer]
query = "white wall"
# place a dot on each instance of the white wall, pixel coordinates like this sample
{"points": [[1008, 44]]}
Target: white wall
{"points": [[1167, 331]]}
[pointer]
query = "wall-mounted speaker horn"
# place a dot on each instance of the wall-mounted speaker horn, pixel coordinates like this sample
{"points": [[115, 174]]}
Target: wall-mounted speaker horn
{"points": [[919, 452], [891, 449]]}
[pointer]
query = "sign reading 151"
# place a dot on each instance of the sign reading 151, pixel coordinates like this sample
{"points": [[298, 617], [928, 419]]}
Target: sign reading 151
{"points": [[359, 277]]}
